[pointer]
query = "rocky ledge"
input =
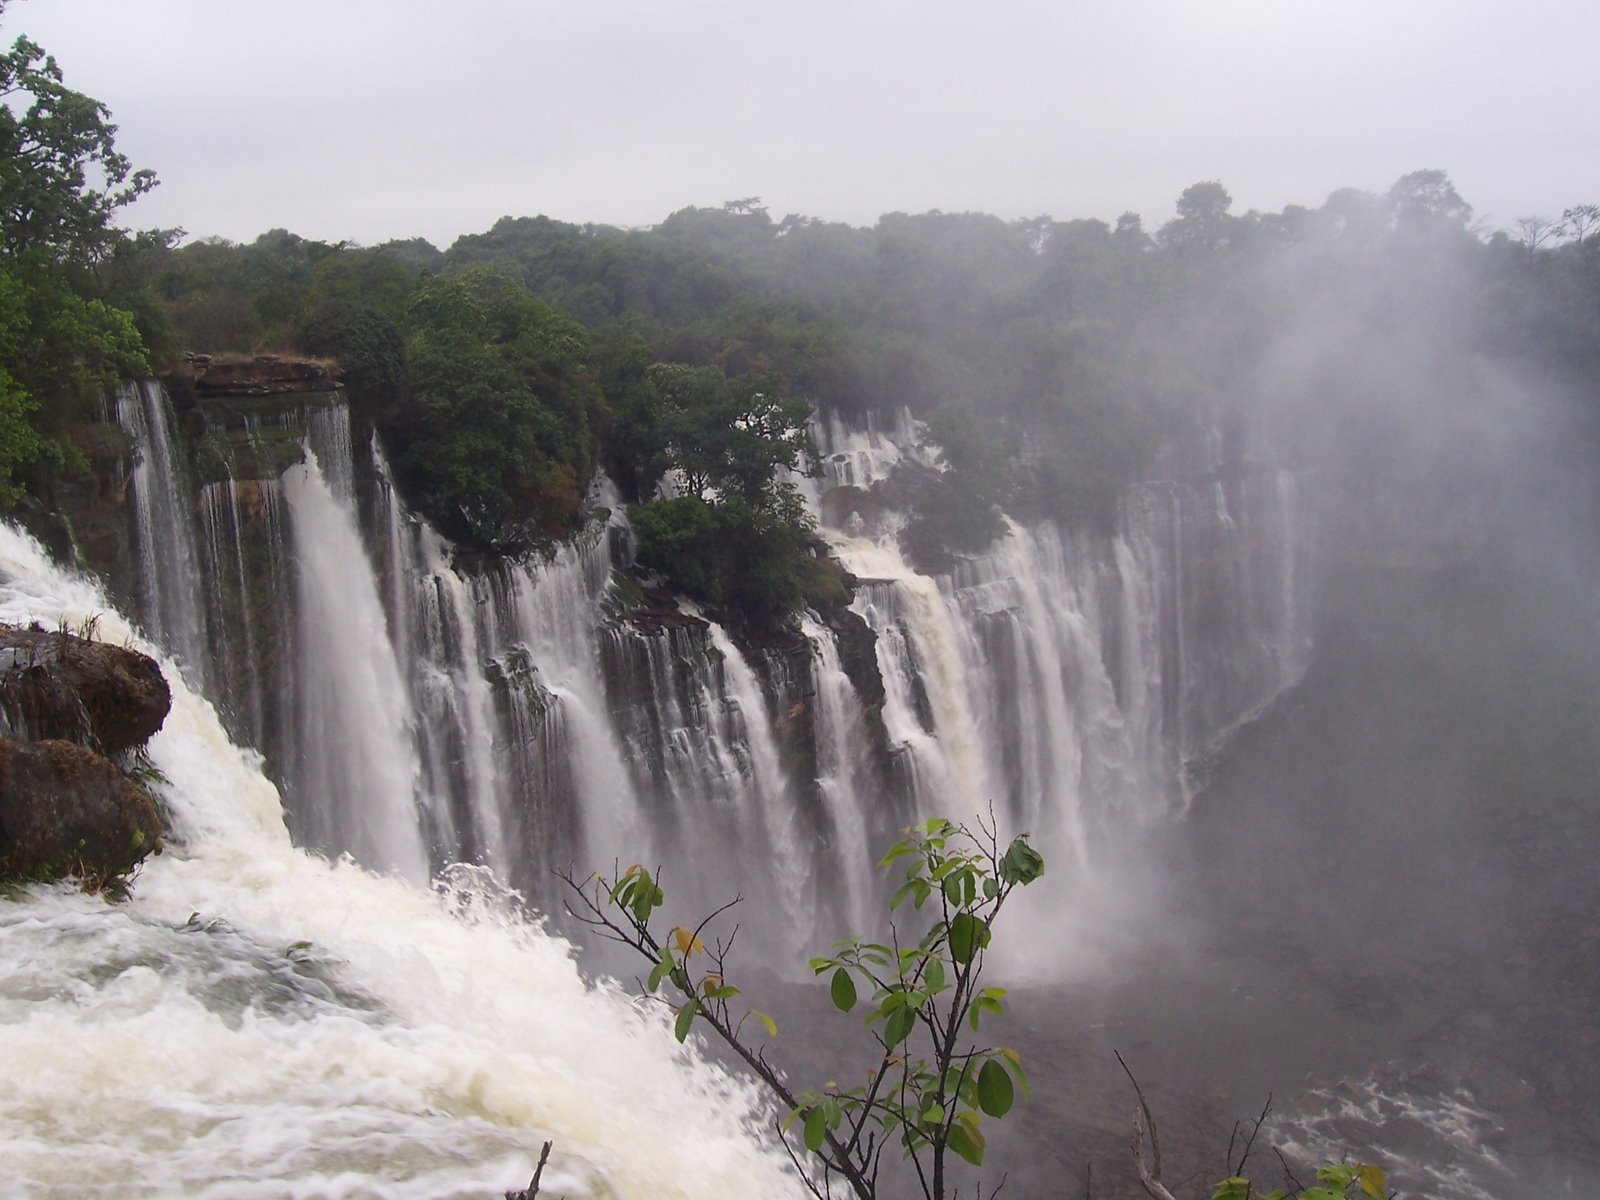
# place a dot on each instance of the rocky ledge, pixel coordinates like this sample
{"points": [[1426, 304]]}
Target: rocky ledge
{"points": [[73, 712], [261, 375]]}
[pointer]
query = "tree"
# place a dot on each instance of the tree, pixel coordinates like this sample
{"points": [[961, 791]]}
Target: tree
{"points": [[492, 432], [728, 434], [1427, 199], [1203, 222], [1536, 231], [61, 183], [1579, 221], [931, 1077], [62, 179], [737, 537]]}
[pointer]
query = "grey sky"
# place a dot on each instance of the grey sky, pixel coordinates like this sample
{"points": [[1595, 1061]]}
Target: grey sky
{"points": [[372, 119]]}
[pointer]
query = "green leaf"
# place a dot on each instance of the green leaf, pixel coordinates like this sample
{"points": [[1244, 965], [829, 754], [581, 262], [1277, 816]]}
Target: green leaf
{"points": [[843, 989], [968, 1142], [771, 1025], [680, 1027], [1013, 1063], [657, 973], [952, 887], [1022, 863], [897, 851], [898, 1027], [933, 980], [995, 1092], [903, 891], [815, 1129], [1232, 1188], [1373, 1181], [965, 929]]}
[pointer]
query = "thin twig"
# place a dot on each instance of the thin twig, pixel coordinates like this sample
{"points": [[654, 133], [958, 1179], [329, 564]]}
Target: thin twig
{"points": [[1288, 1174], [1260, 1121]]}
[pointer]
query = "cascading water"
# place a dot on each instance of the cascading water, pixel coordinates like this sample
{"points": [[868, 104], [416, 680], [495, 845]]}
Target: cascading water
{"points": [[356, 733], [258, 1021], [164, 528], [419, 713]]}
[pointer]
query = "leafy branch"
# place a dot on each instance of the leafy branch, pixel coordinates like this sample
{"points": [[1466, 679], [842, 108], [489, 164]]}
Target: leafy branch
{"points": [[932, 1082]]}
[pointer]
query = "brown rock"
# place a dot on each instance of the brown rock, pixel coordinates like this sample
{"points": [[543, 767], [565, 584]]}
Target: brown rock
{"points": [[58, 685], [68, 812]]}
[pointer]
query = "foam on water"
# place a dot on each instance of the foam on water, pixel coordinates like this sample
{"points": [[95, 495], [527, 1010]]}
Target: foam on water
{"points": [[259, 1022]]}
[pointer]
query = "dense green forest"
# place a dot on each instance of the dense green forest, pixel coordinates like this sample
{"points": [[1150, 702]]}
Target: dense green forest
{"points": [[1046, 357]]}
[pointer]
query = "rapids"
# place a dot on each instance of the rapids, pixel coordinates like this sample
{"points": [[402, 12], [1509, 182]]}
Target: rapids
{"points": [[258, 1021]]}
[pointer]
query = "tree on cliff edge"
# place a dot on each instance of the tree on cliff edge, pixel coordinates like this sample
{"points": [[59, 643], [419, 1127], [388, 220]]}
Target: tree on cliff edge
{"points": [[62, 182]]}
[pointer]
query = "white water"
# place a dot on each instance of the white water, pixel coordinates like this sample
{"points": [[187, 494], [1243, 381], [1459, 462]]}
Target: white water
{"points": [[844, 780], [356, 731], [164, 527], [420, 711], [259, 1023]]}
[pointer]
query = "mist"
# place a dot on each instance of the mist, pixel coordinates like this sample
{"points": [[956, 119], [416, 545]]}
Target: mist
{"points": [[1378, 898]]}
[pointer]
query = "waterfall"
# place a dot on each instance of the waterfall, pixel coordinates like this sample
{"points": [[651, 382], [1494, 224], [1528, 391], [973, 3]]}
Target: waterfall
{"points": [[355, 731], [164, 532], [1075, 681], [257, 1020], [853, 807], [419, 711]]}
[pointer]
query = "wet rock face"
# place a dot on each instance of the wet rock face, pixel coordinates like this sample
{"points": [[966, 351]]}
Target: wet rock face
{"points": [[58, 686], [265, 374], [68, 811]]}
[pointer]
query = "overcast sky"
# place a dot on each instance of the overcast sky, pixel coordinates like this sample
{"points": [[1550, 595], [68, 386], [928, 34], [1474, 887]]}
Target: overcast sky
{"points": [[376, 119]]}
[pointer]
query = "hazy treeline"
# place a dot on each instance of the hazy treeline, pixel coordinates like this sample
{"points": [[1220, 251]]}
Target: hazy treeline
{"points": [[1049, 358]]}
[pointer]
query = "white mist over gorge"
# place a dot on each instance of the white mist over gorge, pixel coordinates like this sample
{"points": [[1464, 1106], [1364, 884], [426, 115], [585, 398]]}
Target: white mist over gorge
{"points": [[359, 599]]}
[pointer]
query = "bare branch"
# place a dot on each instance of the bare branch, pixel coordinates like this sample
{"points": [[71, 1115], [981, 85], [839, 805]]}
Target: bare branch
{"points": [[532, 1191], [1144, 1124], [1288, 1173], [1251, 1141]]}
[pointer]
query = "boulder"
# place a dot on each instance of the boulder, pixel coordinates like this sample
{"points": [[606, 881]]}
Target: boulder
{"points": [[58, 685], [67, 811]]}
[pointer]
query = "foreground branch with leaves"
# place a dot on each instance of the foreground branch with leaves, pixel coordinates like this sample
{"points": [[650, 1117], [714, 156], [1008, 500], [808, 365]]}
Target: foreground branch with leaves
{"points": [[931, 1080]]}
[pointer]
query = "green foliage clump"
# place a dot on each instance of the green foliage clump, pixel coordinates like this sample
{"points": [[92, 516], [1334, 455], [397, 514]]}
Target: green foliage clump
{"points": [[492, 434], [749, 560], [64, 337], [738, 538]]}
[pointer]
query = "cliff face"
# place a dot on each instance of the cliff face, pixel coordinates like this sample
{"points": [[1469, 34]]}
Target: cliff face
{"points": [[419, 708]]}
